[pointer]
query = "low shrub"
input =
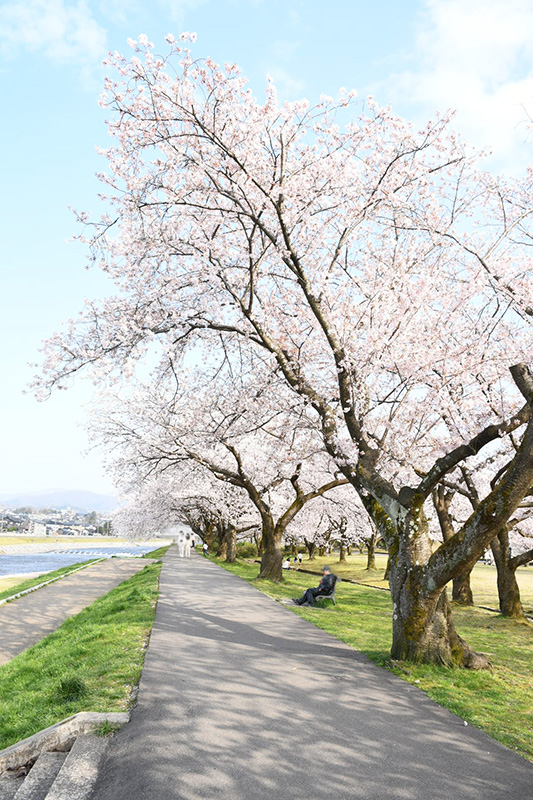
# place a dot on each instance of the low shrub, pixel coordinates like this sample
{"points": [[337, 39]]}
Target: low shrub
{"points": [[246, 550]]}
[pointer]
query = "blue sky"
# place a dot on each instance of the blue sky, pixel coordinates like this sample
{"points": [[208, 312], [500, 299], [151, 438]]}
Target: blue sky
{"points": [[418, 55]]}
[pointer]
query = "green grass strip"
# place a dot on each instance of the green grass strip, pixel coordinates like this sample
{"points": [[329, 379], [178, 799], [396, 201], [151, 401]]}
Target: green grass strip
{"points": [[46, 576], [159, 553], [498, 703], [91, 663]]}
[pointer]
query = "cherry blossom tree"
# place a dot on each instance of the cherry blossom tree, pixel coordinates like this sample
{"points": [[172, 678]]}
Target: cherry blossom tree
{"points": [[245, 436], [454, 500], [369, 264]]}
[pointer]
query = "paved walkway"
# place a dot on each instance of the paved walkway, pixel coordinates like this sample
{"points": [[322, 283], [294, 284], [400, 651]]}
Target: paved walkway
{"points": [[25, 621], [241, 699]]}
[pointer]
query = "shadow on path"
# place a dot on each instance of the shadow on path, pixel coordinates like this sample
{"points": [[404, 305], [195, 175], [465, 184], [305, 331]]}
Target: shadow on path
{"points": [[242, 699]]}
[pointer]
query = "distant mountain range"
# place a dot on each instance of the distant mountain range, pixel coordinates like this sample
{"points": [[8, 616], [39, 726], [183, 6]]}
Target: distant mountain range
{"points": [[77, 499]]}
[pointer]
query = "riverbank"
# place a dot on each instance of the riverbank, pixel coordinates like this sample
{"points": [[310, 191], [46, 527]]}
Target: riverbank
{"points": [[21, 559]]}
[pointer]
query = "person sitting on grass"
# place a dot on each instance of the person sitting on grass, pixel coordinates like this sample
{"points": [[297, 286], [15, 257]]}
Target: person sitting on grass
{"points": [[324, 587]]}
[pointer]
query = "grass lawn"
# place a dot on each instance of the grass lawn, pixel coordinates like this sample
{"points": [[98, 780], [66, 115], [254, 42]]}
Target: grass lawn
{"points": [[10, 586], [483, 579], [91, 663], [500, 703]]}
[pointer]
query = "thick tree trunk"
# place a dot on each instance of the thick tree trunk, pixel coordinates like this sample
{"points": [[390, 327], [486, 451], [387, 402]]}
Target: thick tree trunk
{"points": [[422, 627], [321, 552], [271, 559], [231, 553], [349, 550], [508, 589], [424, 632], [461, 589], [342, 553]]}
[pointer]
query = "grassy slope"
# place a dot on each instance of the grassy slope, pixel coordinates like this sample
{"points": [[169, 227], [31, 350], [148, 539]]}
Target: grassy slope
{"points": [[499, 703], [91, 663]]}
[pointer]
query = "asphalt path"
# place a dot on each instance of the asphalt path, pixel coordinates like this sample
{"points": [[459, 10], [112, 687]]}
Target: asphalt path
{"points": [[30, 618], [242, 699]]}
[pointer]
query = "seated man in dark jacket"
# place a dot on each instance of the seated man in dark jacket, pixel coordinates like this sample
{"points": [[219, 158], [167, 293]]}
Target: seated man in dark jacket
{"points": [[324, 587]]}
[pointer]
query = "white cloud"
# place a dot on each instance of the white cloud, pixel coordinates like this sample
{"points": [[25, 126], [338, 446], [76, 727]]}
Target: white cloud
{"points": [[66, 33], [476, 57]]}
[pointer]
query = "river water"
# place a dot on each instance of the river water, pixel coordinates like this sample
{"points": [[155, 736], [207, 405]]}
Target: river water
{"points": [[48, 562]]}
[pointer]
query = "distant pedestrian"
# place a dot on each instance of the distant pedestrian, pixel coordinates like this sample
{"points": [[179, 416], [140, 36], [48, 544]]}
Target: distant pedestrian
{"points": [[299, 558], [187, 546], [181, 546], [205, 549], [286, 564]]}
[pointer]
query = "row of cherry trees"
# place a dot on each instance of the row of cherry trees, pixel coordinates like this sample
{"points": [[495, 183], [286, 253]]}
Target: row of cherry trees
{"points": [[357, 286]]}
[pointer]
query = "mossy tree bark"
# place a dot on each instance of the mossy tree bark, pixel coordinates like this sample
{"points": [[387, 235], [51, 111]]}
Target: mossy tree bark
{"points": [[423, 628]]}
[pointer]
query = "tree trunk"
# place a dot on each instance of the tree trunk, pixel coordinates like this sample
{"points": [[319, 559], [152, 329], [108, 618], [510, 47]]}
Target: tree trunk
{"points": [[424, 632], [231, 554], [342, 553], [508, 589], [223, 545], [271, 559], [210, 536], [349, 550], [422, 627], [258, 542], [462, 591], [311, 549], [321, 552], [371, 553]]}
